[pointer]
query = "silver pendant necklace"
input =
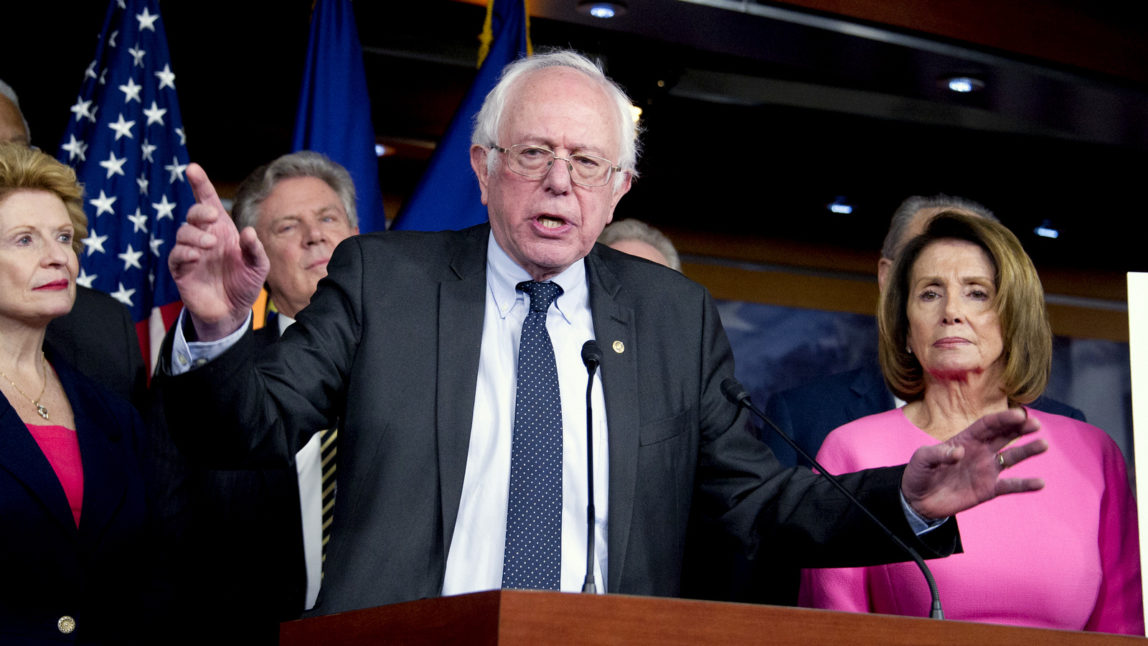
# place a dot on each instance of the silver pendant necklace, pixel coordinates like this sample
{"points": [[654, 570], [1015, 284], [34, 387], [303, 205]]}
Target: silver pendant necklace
{"points": [[40, 408]]}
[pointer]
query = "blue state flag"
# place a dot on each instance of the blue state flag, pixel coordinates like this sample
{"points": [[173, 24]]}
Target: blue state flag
{"points": [[334, 115], [126, 142], [447, 197]]}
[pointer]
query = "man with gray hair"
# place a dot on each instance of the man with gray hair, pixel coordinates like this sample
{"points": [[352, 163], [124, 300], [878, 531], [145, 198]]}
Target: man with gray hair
{"points": [[642, 240], [452, 363], [259, 533]]}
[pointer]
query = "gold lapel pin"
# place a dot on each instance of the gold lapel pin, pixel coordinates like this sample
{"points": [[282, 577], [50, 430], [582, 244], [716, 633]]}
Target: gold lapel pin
{"points": [[619, 347]]}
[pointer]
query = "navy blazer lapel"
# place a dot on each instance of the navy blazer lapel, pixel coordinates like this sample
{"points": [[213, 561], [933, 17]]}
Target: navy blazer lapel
{"points": [[105, 474], [615, 328], [21, 456], [462, 300]]}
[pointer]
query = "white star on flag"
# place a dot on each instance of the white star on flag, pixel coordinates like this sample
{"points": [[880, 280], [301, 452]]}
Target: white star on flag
{"points": [[175, 169], [94, 243], [131, 258], [85, 278], [139, 221], [123, 295], [103, 203], [81, 109], [163, 208], [147, 21], [146, 149], [137, 55], [155, 243], [113, 165], [141, 181], [154, 114], [166, 78], [75, 148], [131, 90], [122, 128]]}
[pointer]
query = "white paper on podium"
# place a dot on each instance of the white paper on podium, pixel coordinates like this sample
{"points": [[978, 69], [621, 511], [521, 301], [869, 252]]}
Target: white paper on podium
{"points": [[1138, 355]]}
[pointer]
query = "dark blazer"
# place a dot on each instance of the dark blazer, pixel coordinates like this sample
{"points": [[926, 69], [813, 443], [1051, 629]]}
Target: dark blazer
{"points": [[390, 346], [99, 339], [810, 411], [51, 568], [243, 547]]}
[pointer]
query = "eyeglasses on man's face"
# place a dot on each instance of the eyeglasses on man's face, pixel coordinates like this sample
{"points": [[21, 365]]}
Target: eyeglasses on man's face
{"points": [[535, 162]]}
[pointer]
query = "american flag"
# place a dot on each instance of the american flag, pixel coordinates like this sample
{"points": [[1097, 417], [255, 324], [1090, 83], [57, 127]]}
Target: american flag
{"points": [[126, 142]]}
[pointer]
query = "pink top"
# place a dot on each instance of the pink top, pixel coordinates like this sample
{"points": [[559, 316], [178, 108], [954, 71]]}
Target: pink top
{"points": [[62, 448], [1064, 557]]}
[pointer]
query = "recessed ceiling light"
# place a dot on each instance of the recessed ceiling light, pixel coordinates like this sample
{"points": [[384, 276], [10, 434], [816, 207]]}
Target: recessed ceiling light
{"points": [[840, 206], [1046, 230], [964, 84], [604, 10]]}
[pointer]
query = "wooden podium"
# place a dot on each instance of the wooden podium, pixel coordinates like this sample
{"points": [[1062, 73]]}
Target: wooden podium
{"points": [[501, 617]]}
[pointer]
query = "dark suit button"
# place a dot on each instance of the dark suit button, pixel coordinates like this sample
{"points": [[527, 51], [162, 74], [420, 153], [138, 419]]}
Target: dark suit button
{"points": [[66, 624]]}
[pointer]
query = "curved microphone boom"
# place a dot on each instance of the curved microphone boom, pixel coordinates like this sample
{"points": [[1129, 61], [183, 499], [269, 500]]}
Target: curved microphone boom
{"points": [[591, 356], [736, 393]]}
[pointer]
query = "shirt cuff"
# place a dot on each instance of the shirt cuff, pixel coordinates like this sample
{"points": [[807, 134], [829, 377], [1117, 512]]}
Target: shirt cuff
{"points": [[919, 524], [187, 355]]}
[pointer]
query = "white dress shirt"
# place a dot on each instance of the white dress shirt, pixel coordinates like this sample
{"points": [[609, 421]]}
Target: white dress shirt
{"points": [[475, 558]]}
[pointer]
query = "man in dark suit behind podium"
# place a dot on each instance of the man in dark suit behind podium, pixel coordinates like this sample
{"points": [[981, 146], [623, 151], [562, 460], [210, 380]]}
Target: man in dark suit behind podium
{"points": [[411, 343]]}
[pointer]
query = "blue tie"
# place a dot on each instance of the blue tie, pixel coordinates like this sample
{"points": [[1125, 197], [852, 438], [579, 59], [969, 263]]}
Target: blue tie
{"points": [[532, 556]]}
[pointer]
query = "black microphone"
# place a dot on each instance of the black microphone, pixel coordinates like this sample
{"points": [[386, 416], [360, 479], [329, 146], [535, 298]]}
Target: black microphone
{"points": [[736, 393], [591, 356]]}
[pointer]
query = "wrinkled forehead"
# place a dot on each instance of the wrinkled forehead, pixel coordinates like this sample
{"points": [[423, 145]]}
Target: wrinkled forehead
{"points": [[577, 105]]}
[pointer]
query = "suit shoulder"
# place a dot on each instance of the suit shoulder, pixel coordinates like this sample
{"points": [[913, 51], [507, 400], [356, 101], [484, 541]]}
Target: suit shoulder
{"points": [[652, 278], [824, 388]]}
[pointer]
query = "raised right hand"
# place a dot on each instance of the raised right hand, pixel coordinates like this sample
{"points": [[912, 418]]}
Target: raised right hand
{"points": [[218, 269]]}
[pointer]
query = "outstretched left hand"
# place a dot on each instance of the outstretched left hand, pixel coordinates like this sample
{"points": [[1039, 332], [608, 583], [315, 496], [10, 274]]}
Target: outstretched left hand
{"points": [[965, 470]]}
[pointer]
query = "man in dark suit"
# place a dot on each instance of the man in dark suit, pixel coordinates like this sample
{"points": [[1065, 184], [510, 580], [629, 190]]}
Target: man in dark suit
{"points": [[410, 343], [98, 338], [255, 537]]}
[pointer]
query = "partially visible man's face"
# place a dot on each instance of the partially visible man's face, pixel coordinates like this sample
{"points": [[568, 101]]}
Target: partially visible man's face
{"points": [[547, 225], [300, 224], [916, 227], [11, 123]]}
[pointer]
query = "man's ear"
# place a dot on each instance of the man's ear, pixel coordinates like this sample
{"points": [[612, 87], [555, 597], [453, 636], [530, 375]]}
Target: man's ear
{"points": [[884, 266], [478, 164]]}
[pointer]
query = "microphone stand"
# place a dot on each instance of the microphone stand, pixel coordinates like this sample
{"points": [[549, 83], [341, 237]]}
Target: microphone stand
{"points": [[591, 356], [737, 394]]}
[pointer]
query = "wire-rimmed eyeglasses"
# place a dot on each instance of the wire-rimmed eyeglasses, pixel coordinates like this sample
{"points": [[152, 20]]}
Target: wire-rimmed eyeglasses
{"points": [[535, 162]]}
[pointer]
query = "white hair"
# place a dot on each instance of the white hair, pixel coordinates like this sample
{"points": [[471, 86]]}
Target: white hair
{"points": [[489, 118]]}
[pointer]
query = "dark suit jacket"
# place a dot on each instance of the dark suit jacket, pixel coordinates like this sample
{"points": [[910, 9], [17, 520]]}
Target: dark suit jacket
{"points": [[390, 345], [810, 411], [48, 566], [243, 547], [99, 339]]}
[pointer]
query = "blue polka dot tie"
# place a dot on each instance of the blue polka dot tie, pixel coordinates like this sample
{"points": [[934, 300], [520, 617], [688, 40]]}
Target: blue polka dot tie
{"points": [[532, 555]]}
